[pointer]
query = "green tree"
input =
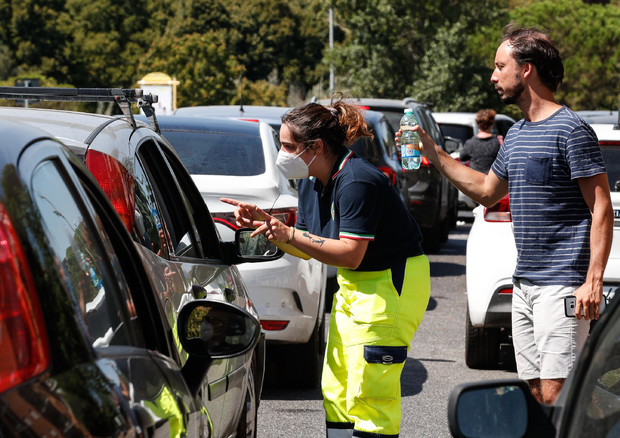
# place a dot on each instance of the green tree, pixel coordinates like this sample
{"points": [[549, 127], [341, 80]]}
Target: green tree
{"points": [[202, 65], [588, 37], [105, 40], [397, 47]]}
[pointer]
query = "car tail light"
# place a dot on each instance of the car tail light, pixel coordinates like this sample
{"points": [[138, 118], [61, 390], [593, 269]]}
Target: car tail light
{"points": [[287, 216], [500, 212], [505, 291], [389, 172], [273, 325], [425, 162], [23, 342], [116, 182], [250, 120], [609, 143]]}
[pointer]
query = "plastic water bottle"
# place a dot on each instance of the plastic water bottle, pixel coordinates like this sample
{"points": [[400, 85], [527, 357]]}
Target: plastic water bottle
{"points": [[409, 142]]}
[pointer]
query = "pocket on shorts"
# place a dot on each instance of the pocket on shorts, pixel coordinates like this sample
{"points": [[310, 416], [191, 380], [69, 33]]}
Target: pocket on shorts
{"points": [[381, 374], [538, 170]]}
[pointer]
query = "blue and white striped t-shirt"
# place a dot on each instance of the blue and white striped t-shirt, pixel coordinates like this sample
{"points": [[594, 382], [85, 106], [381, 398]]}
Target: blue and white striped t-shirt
{"points": [[542, 162]]}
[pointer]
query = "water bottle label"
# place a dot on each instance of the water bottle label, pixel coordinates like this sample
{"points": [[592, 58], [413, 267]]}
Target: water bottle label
{"points": [[410, 150]]}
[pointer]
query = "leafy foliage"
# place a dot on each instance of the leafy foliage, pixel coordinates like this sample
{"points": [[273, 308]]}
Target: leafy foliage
{"points": [[276, 52], [588, 37]]}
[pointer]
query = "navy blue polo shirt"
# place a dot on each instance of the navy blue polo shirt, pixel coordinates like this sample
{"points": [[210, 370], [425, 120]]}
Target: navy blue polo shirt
{"points": [[360, 202]]}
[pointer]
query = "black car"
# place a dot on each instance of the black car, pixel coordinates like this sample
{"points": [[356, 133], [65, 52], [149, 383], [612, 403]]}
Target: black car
{"points": [[588, 404], [87, 349], [432, 200]]}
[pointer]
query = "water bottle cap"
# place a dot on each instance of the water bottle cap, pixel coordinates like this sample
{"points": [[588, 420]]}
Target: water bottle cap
{"points": [[408, 111]]}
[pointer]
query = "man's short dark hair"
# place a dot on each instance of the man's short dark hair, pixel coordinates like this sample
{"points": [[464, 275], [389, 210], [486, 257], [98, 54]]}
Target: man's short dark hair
{"points": [[531, 45]]}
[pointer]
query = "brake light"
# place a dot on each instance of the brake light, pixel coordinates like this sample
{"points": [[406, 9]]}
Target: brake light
{"points": [[250, 120], [23, 342], [505, 291], [500, 212], [389, 172], [116, 182], [364, 107], [609, 143], [288, 216], [425, 162], [273, 325]]}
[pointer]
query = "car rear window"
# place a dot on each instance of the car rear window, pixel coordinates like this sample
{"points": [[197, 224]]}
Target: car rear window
{"points": [[611, 155], [205, 153], [461, 132]]}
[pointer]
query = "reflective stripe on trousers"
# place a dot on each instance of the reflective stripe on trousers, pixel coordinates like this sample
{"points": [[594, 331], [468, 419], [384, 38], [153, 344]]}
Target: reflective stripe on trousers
{"points": [[370, 330]]}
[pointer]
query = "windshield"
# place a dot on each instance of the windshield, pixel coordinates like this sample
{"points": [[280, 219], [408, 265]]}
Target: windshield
{"points": [[208, 153]]}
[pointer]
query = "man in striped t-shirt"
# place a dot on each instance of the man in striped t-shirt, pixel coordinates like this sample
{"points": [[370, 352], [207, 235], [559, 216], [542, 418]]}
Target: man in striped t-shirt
{"points": [[552, 168]]}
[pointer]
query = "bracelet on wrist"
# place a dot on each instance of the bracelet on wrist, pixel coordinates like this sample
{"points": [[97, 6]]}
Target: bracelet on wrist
{"points": [[291, 234]]}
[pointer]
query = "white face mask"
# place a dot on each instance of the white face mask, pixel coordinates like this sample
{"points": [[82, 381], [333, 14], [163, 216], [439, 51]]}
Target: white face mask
{"points": [[292, 166]]}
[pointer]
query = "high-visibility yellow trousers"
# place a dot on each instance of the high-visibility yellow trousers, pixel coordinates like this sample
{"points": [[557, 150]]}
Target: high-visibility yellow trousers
{"points": [[370, 330]]}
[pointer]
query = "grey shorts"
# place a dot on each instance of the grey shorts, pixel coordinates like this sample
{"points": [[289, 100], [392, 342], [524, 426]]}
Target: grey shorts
{"points": [[547, 343]]}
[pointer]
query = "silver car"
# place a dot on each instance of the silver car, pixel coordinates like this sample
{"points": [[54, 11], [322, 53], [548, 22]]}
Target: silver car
{"points": [[175, 237]]}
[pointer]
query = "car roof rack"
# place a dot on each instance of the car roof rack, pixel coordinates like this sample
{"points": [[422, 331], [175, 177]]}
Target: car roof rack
{"points": [[124, 97]]}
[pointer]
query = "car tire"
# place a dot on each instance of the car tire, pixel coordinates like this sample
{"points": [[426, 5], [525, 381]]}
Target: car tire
{"points": [[249, 416], [432, 238], [481, 346]]}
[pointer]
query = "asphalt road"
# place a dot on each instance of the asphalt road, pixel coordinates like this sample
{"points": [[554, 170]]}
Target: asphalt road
{"points": [[435, 363]]}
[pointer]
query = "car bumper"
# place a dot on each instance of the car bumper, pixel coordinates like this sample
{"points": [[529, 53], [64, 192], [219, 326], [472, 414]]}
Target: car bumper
{"points": [[288, 289], [490, 263]]}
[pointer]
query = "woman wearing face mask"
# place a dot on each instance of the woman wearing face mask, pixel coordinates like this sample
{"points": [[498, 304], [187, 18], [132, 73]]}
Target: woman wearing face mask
{"points": [[352, 217]]}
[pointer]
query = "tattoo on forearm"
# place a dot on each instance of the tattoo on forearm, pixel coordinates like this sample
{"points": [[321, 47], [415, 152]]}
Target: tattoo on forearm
{"points": [[319, 241]]}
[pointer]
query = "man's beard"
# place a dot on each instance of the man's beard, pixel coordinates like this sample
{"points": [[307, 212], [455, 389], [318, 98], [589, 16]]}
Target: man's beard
{"points": [[516, 93]]}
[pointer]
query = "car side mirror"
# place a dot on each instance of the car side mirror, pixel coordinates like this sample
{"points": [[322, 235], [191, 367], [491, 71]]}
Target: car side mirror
{"points": [[257, 248], [497, 408], [452, 144], [216, 330]]}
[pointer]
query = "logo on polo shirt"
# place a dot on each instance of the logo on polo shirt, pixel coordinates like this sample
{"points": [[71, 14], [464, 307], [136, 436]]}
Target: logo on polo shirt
{"points": [[333, 214]]}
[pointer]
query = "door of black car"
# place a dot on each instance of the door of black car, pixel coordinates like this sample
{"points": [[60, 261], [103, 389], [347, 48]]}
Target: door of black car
{"points": [[111, 296]]}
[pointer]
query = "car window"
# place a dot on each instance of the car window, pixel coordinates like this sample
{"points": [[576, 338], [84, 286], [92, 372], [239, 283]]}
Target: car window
{"points": [[85, 257], [460, 132], [148, 229], [386, 134], [611, 155], [177, 226], [196, 207], [430, 126], [596, 411], [501, 127], [205, 153]]}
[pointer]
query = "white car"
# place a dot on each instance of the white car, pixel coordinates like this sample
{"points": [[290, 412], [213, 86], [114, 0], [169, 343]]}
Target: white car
{"points": [[254, 113], [462, 126], [236, 159], [491, 260]]}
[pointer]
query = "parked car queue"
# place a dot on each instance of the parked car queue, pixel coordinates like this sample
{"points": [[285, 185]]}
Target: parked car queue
{"points": [[118, 296]]}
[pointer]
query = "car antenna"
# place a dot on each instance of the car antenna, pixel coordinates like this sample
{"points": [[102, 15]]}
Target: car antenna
{"points": [[241, 110]]}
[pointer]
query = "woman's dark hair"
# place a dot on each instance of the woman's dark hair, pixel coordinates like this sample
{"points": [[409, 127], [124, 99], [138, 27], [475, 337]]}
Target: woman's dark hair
{"points": [[485, 119], [339, 124], [531, 45]]}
